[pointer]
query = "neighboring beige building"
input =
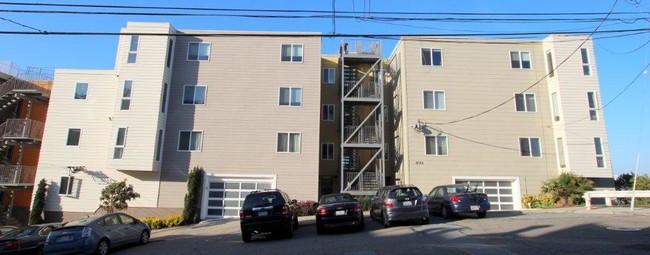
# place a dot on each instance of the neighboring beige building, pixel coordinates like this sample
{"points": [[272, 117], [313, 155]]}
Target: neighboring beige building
{"points": [[441, 88]]}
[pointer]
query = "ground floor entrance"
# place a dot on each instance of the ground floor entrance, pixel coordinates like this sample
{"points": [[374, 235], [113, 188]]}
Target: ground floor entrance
{"points": [[223, 195], [503, 192]]}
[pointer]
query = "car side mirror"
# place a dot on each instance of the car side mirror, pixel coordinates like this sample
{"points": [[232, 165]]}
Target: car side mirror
{"points": [[293, 201]]}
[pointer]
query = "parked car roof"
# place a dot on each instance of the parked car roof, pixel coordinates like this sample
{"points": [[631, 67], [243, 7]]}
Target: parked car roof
{"points": [[84, 220]]}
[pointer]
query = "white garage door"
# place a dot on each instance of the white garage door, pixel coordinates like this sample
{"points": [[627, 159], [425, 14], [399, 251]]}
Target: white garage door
{"points": [[224, 195], [502, 193]]}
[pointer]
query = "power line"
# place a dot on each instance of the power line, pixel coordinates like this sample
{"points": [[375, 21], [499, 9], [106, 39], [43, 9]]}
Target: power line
{"points": [[22, 25], [538, 81]]}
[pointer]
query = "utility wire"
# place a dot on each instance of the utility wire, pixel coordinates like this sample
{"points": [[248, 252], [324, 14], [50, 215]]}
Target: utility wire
{"points": [[538, 81], [23, 25]]}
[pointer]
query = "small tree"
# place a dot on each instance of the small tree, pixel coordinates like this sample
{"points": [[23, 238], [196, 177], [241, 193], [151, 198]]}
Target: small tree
{"points": [[115, 196], [567, 187], [36, 215], [624, 181], [194, 180]]}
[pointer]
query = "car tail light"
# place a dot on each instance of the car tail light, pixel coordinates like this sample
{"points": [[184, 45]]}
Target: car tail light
{"points": [[322, 211], [241, 214], [388, 204], [485, 197], [15, 244], [357, 208], [285, 209], [454, 199], [85, 233]]}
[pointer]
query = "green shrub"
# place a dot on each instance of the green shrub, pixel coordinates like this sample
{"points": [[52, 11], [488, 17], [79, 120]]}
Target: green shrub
{"points": [[365, 202], [194, 180], [306, 208], [528, 200], [545, 201], [36, 214], [567, 187], [169, 221]]}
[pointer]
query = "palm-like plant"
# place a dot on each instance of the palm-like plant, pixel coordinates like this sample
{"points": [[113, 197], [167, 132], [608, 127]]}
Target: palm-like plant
{"points": [[567, 187]]}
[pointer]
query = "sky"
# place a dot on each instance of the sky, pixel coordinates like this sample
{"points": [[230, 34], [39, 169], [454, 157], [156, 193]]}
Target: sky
{"points": [[619, 59]]}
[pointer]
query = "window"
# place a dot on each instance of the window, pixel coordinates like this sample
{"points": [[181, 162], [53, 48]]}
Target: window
{"points": [[81, 91], [198, 51], [328, 112], [525, 102], [133, 49], [600, 159], [194, 94], [556, 107], [434, 100], [530, 147], [329, 75], [163, 105], [120, 141], [288, 142], [291, 96], [159, 144], [327, 151], [520, 59], [126, 220], [66, 185], [586, 70], [591, 98], [170, 53], [436, 145], [190, 140], [549, 64], [431, 57], [291, 53], [73, 137], [126, 95], [560, 152]]}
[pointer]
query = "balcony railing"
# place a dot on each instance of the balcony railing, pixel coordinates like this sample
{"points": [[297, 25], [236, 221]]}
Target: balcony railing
{"points": [[32, 78], [368, 89], [17, 174], [365, 135], [367, 181], [22, 129]]}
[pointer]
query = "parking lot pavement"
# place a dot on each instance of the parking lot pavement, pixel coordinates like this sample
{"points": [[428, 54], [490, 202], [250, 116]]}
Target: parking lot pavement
{"points": [[555, 231]]}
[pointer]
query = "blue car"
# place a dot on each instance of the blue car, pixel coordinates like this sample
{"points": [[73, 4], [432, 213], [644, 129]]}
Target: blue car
{"points": [[96, 234], [448, 200]]}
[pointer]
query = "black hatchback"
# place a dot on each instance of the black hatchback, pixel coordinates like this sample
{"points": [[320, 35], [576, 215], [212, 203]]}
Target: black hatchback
{"points": [[268, 211]]}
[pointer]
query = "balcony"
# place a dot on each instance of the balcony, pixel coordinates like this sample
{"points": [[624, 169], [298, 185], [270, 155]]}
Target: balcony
{"points": [[368, 135], [34, 83], [22, 131], [16, 175], [364, 90], [359, 49], [366, 183]]}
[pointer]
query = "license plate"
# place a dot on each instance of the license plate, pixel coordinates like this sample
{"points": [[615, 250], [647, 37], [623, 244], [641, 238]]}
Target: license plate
{"points": [[474, 207], [64, 238], [339, 213], [262, 213], [407, 203]]}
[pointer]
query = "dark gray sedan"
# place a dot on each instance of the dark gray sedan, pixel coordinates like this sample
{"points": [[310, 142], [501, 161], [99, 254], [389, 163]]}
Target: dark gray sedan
{"points": [[25, 240], [449, 200]]}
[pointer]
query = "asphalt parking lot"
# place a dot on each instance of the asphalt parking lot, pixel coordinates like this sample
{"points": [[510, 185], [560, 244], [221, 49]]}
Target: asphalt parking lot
{"points": [[556, 231]]}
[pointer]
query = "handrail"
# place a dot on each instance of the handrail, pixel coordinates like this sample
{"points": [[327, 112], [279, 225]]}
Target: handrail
{"points": [[23, 128], [17, 174], [31, 78]]}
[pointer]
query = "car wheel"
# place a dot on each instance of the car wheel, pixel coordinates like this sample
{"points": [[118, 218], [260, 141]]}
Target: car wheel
{"points": [[320, 229], [245, 236], [481, 214], [295, 223], [144, 237], [288, 232], [446, 212], [102, 247], [386, 220]]}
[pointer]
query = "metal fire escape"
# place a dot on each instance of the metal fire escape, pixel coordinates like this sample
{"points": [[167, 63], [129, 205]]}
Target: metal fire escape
{"points": [[362, 125]]}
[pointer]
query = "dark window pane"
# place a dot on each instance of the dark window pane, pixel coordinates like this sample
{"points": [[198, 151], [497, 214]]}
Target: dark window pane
{"points": [[73, 136], [598, 145], [216, 185], [586, 70], [428, 100], [215, 212], [134, 43], [170, 48], [525, 60], [126, 104], [549, 64], [591, 99], [163, 106], [584, 55], [524, 146], [284, 96], [63, 185], [193, 51], [514, 59], [286, 52], [199, 95], [426, 57], [188, 95], [520, 104], [184, 141], [437, 57], [600, 162], [430, 145]]}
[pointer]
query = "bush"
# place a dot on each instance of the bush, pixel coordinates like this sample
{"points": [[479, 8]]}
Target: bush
{"points": [[539, 201], [365, 202], [36, 214], [567, 187], [169, 221], [115, 196], [528, 200], [306, 208], [194, 180]]}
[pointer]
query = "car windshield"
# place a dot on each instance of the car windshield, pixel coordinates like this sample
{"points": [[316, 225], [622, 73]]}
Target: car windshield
{"points": [[460, 189], [20, 232], [404, 192], [262, 200], [337, 198]]}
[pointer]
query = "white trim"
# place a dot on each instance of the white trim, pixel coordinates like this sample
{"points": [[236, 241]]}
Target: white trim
{"points": [[442, 57], [516, 186], [123, 146], [436, 143], [588, 64], [444, 99], [514, 97], [205, 97], [129, 51], [290, 94], [171, 53], [178, 143], [187, 58], [602, 152], [333, 112], [595, 108], [130, 95], [69, 188], [521, 60], [272, 178], [291, 51], [165, 95], [67, 137], [530, 147], [74, 92], [161, 143], [277, 140], [553, 68], [333, 70]]}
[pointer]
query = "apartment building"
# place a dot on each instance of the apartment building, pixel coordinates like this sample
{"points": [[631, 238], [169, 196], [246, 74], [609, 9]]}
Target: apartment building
{"points": [[505, 115], [24, 95], [243, 106]]}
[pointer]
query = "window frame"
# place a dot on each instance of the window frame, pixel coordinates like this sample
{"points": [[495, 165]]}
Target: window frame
{"points": [[526, 102], [85, 97], [131, 51], [521, 59], [277, 143], [530, 146], [549, 64], [169, 59], [331, 112], [555, 106], [592, 97], [330, 72], [433, 97], [584, 54], [436, 142], [198, 57], [291, 56], [325, 147], [123, 98], [431, 51], [117, 144], [67, 139], [189, 147], [599, 146], [160, 140], [290, 96], [164, 104], [561, 152], [205, 95], [69, 185]]}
